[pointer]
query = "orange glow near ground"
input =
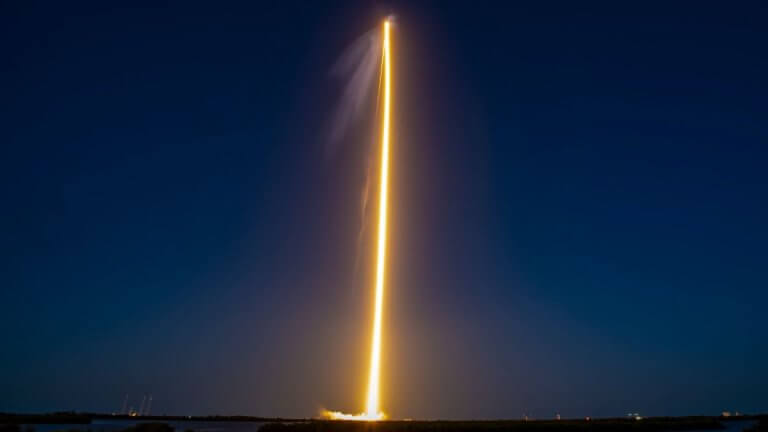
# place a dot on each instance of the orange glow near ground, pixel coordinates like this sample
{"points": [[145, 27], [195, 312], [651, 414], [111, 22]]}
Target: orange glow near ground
{"points": [[372, 411]]}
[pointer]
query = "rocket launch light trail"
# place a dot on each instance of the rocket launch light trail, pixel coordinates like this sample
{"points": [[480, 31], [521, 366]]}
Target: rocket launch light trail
{"points": [[372, 411], [372, 406]]}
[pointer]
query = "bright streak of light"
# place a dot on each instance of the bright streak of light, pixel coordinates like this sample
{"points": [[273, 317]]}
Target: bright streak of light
{"points": [[372, 405], [372, 411]]}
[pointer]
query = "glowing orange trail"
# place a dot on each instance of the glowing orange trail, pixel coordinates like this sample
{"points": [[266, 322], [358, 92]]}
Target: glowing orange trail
{"points": [[372, 405], [372, 411]]}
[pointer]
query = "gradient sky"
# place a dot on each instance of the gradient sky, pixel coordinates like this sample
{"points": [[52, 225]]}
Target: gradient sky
{"points": [[579, 209]]}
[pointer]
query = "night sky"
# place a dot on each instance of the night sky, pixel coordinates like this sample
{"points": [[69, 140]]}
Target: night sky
{"points": [[578, 214]]}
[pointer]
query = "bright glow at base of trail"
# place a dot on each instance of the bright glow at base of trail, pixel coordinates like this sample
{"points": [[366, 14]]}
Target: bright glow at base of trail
{"points": [[336, 415], [372, 411]]}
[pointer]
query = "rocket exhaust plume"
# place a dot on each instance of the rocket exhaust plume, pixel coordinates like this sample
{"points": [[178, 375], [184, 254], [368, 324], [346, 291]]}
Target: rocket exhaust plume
{"points": [[372, 409]]}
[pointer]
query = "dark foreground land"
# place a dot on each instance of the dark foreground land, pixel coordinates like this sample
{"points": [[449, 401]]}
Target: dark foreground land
{"points": [[82, 422], [658, 424]]}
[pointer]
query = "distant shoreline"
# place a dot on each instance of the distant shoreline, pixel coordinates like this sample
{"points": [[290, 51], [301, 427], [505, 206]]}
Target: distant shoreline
{"points": [[87, 418], [282, 424]]}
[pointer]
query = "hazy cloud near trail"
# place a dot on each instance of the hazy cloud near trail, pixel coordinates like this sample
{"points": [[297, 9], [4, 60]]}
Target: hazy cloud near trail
{"points": [[357, 67]]}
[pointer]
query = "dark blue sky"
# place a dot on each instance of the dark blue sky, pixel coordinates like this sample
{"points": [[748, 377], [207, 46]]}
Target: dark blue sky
{"points": [[579, 207]]}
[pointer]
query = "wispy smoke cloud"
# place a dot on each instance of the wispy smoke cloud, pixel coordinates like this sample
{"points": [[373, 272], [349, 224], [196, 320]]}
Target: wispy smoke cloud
{"points": [[357, 66], [363, 211]]}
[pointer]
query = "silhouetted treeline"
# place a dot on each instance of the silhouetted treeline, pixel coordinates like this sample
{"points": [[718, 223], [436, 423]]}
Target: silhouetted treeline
{"points": [[213, 418]]}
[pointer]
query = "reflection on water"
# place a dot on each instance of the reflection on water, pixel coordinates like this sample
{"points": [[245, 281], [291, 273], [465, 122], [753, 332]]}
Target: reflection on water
{"points": [[110, 425], [737, 425]]}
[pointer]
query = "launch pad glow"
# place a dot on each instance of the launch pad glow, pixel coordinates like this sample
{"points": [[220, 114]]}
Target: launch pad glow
{"points": [[372, 409]]}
